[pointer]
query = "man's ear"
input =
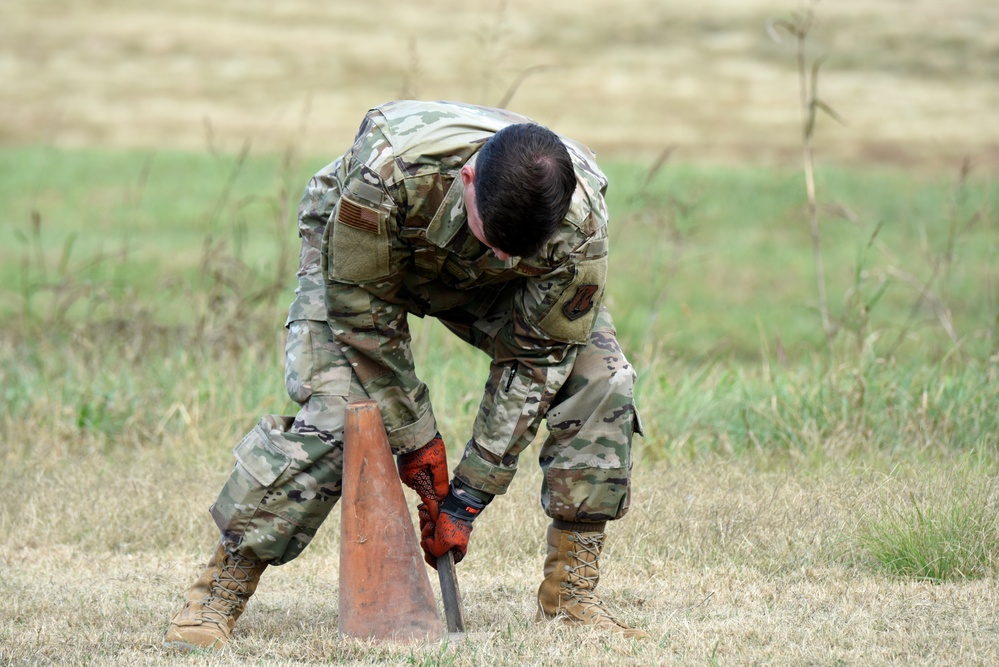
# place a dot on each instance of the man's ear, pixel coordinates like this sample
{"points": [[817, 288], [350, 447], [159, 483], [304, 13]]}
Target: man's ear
{"points": [[467, 175]]}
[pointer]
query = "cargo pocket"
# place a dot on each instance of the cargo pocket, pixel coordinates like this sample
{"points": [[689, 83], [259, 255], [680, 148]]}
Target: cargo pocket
{"points": [[314, 362], [636, 422], [259, 464], [299, 361], [258, 454]]}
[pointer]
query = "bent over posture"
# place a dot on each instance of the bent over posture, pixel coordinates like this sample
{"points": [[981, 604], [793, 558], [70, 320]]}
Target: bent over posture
{"points": [[497, 227]]}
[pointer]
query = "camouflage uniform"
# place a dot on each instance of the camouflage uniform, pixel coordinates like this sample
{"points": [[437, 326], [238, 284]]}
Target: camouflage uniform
{"points": [[397, 243]]}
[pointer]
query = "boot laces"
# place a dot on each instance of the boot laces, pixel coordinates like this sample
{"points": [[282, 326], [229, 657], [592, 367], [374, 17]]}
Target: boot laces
{"points": [[584, 575], [217, 610], [228, 590]]}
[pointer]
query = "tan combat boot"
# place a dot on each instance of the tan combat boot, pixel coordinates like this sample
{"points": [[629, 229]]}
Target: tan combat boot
{"points": [[214, 603], [571, 572]]}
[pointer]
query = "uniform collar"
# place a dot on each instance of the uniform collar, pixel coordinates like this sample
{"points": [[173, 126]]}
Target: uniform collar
{"points": [[450, 216], [450, 223]]}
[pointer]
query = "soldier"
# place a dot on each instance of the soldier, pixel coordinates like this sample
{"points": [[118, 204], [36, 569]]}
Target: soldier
{"points": [[497, 227]]}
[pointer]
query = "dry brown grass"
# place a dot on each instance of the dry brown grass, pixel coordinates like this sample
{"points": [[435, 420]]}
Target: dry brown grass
{"points": [[915, 81], [721, 562]]}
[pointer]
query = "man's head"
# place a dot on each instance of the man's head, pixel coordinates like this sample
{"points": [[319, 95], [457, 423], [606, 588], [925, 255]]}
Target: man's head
{"points": [[519, 190]]}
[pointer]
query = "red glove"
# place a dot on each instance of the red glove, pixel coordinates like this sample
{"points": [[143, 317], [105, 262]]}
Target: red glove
{"points": [[425, 471], [452, 530]]}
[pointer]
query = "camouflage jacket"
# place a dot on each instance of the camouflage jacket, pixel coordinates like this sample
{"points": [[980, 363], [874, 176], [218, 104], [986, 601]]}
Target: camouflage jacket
{"points": [[398, 242]]}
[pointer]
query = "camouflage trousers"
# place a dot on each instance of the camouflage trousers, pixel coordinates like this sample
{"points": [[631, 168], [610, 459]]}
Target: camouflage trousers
{"points": [[288, 471], [586, 457]]}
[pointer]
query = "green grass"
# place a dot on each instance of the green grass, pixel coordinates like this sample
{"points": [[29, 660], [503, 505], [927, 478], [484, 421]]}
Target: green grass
{"points": [[707, 263], [850, 412], [945, 534], [128, 274], [88, 230], [734, 248]]}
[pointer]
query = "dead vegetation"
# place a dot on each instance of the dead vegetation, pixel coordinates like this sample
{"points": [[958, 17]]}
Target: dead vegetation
{"points": [[915, 82]]}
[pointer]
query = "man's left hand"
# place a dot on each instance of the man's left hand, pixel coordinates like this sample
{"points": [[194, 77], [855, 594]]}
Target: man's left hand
{"points": [[452, 530]]}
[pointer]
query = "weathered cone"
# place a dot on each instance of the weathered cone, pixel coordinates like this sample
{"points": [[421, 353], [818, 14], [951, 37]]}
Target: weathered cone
{"points": [[384, 590]]}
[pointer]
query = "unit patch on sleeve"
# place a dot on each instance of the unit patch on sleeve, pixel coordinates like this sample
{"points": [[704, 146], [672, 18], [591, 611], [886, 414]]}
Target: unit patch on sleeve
{"points": [[570, 318], [581, 302]]}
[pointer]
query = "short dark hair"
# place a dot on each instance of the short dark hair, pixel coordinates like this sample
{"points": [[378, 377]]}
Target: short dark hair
{"points": [[524, 180]]}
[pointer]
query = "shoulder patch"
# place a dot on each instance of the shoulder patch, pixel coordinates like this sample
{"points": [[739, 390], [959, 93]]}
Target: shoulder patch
{"points": [[571, 317], [581, 302]]}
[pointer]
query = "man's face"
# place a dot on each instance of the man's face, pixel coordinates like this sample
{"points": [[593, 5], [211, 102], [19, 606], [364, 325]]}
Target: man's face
{"points": [[472, 211]]}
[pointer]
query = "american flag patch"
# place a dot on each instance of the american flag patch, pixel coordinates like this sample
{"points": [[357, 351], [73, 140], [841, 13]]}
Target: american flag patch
{"points": [[357, 216]]}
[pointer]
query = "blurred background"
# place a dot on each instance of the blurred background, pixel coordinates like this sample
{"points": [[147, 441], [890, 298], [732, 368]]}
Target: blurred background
{"points": [[914, 81]]}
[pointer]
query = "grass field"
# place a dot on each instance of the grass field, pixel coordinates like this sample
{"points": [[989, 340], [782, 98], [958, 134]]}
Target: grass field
{"points": [[803, 495]]}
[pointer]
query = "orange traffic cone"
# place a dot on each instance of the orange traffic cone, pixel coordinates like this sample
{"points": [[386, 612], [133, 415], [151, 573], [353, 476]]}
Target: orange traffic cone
{"points": [[384, 590]]}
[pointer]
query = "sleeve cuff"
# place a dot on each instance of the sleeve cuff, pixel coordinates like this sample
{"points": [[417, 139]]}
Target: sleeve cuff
{"points": [[310, 299], [484, 475], [413, 436]]}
